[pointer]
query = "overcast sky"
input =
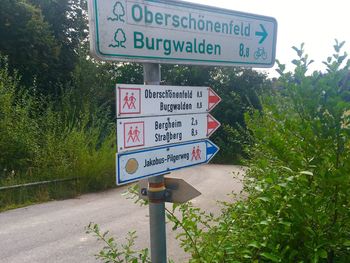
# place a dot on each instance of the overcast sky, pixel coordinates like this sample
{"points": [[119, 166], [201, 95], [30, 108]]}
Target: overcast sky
{"points": [[315, 22]]}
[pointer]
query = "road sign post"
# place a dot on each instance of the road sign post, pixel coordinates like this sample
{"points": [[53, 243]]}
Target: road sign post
{"points": [[152, 76], [157, 118]]}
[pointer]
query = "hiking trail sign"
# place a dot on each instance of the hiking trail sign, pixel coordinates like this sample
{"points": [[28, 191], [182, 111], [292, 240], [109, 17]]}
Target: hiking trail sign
{"points": [[178, 32], [136, 133], [162, 128], [134, 165], [150, 100]]}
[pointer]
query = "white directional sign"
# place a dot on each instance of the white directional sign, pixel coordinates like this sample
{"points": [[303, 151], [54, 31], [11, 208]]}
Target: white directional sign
{"points": [[132, 166], [136, 133], [178, 32], [149, 100]]}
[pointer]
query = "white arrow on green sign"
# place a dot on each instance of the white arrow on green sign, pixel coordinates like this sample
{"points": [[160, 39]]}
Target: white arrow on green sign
{"points": [[178, 32]]}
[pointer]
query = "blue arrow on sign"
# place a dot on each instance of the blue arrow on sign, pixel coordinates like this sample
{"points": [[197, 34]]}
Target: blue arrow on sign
{"points": [[135, 165], [263, 34]]}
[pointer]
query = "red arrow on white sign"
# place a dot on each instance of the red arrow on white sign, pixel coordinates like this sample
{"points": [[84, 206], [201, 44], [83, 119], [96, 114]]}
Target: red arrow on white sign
{"points": [[213, 99], [212, 125]]}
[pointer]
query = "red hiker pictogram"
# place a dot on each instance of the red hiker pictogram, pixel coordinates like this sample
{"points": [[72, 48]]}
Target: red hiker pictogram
{"points": [[136, 135], [130, 135], [126, 101], [198, 153], [132, 100], [129, 101], [193, 153]]}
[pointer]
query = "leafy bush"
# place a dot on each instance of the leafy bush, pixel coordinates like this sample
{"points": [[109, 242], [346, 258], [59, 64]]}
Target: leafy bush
{"points": [[297, 209], [111, 252], [45, 139], [17, 139]]}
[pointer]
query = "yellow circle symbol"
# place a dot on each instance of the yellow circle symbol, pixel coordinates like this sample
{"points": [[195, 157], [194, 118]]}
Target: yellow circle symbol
{"points": [[131, 166]]}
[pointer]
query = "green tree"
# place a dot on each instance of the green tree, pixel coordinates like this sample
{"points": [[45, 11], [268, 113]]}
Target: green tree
{"points": [[42, 40], [28, 42], [239, 89], [69, 23]]}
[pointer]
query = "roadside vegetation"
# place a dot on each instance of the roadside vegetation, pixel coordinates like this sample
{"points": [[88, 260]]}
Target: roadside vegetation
{"points": [[44, 139]]}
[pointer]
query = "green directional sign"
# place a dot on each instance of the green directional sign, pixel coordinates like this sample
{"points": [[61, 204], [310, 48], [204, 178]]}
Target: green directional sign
{"points": [[178, 32]]}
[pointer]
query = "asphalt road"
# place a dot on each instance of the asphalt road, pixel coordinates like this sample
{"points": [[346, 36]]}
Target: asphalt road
{"points": [[54, 231]]}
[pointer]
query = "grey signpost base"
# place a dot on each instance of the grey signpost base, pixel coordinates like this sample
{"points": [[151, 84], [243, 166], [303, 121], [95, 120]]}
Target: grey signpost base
{"points": [[151, 75]]}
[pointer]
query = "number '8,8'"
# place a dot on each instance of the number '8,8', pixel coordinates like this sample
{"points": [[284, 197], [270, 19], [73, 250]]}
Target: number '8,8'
{"points": [[243, 51]]}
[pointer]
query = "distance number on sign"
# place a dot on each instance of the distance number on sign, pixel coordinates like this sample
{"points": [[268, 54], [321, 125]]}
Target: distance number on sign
{"points": [[243, 51]]}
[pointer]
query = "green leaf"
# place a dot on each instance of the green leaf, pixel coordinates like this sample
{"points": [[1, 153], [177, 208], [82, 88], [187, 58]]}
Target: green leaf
{"points": [[287, 168], [299, 51], [307, 173], [322, 253], [270, 256], [265, 199], [254, 244], [279, 71], [296, 62], [264, 222], [286, 223], [347, 243]]}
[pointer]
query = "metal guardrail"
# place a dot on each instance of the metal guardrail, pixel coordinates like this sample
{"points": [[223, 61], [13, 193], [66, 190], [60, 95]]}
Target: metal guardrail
{"points": [[37, 183]]}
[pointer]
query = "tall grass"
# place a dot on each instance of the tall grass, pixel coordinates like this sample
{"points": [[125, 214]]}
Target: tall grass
{"points": [[44, 139]]}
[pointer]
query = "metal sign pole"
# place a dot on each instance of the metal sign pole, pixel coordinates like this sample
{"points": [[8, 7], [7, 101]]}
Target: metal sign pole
{"points": [[156, 188]]}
